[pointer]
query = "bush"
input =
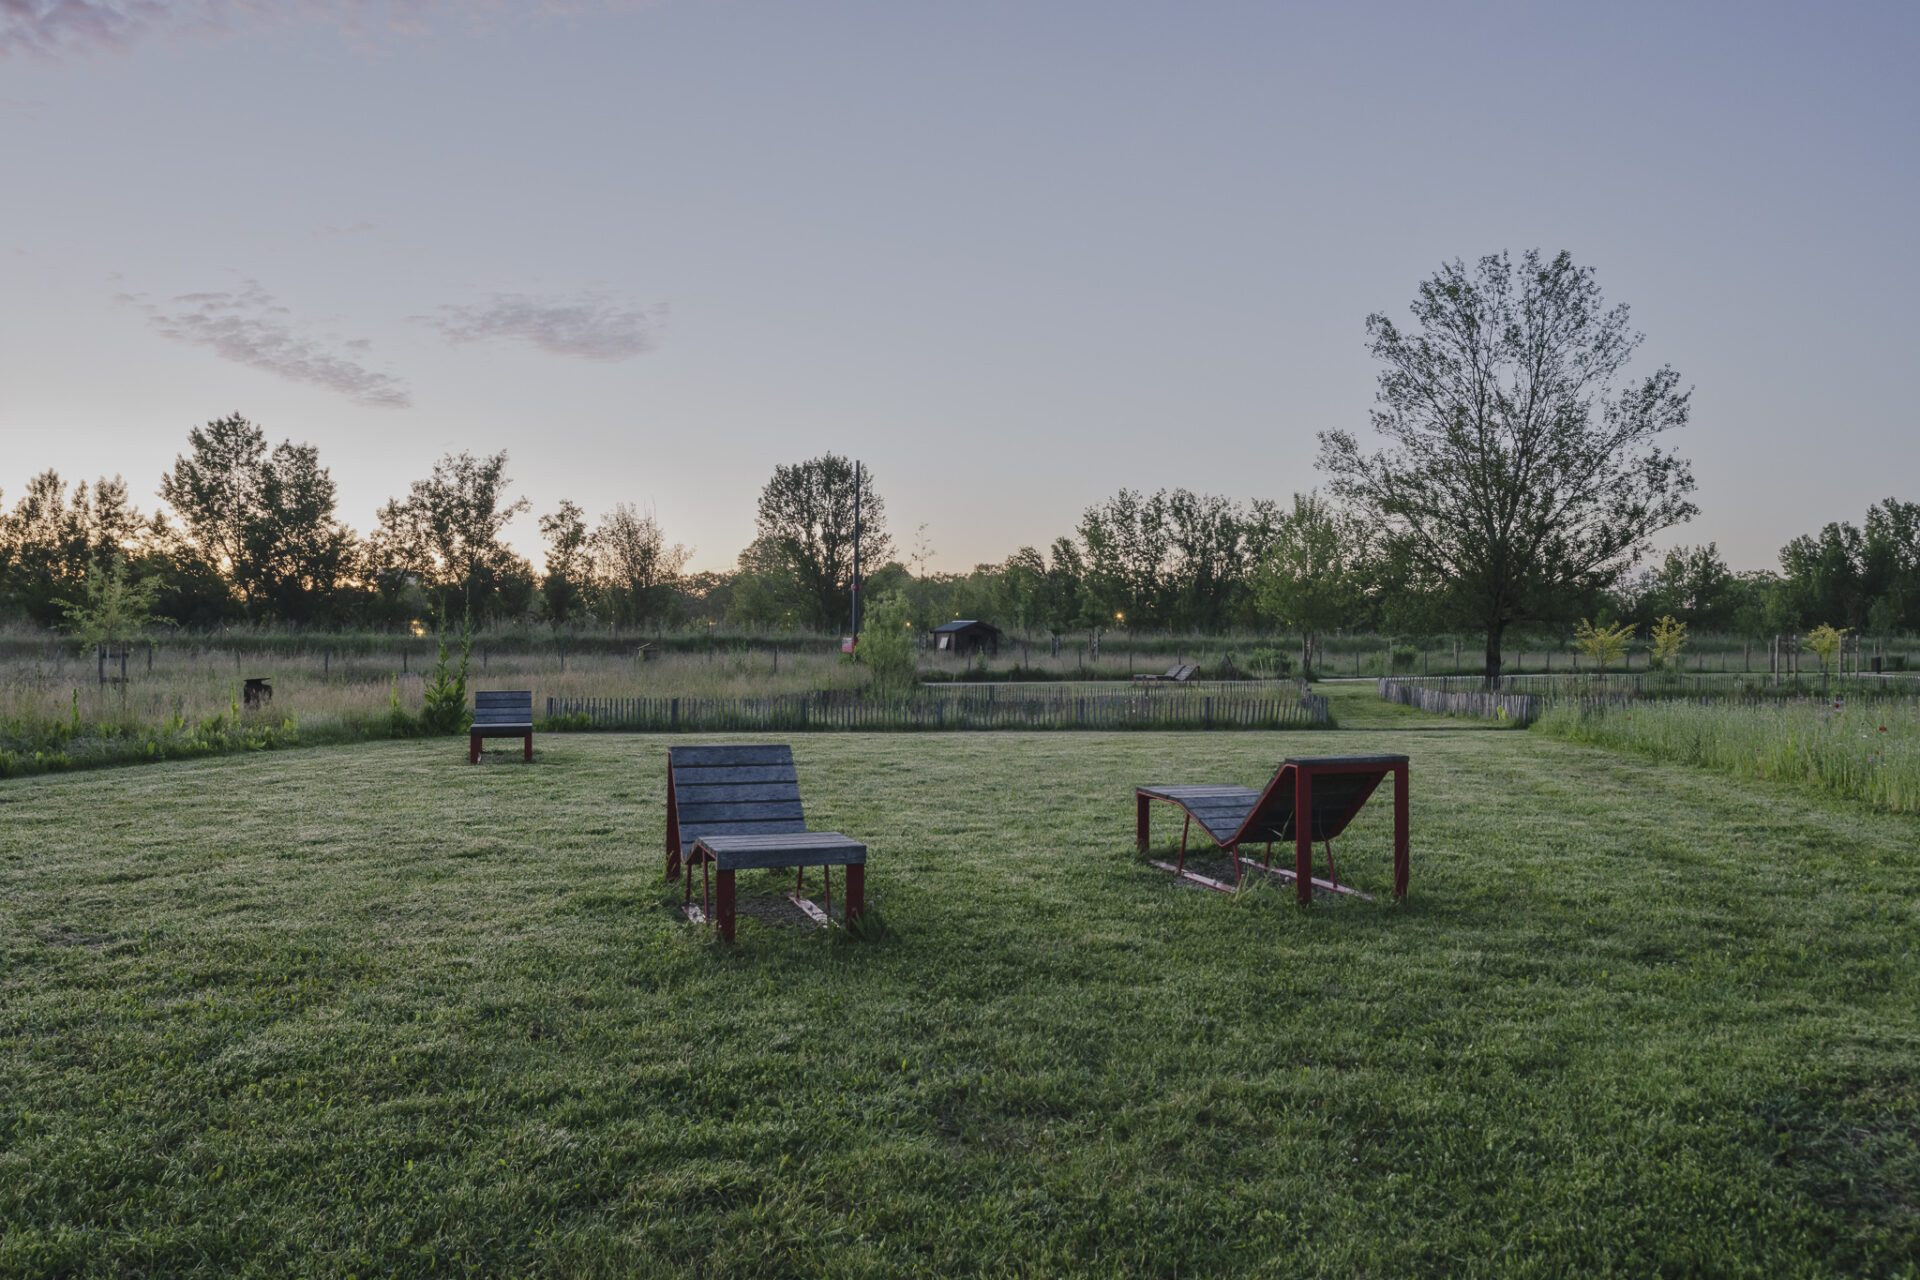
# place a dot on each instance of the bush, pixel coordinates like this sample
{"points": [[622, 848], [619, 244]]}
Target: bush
{"points": [[886, 647], [1268, 664], [445, 708]]}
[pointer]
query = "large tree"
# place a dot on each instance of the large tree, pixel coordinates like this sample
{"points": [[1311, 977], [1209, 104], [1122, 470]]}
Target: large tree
{"points": [[806, 523], [446, 533], [1521, 461], [569, 559], [634, 563], [295, 554], [214, 489]]}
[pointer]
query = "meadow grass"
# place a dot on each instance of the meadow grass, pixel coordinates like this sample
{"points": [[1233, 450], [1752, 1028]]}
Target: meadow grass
{"points": [[366, 1009], [1862, 750]]}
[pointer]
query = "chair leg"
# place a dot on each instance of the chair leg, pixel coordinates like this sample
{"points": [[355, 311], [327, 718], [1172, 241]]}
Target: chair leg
{"points": [[473, 748], [724, 891], [528, 756], [856, 892]]}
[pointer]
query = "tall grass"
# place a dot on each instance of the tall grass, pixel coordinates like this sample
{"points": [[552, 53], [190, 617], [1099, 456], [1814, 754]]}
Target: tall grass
{"points": [[1867, 752]]}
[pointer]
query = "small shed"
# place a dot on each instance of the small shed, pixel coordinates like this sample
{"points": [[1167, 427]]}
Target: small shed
{"points": [[965, 636]]}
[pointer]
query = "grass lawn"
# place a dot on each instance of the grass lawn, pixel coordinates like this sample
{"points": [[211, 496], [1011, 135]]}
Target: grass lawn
{"points": [[365, 1009]]}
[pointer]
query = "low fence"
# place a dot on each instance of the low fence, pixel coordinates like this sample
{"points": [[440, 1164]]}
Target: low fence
{"points": [[1448, 697], [1519, 709], [988, 708]]}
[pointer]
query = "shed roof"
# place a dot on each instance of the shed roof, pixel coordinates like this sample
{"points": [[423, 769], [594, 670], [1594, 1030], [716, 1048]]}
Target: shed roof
{"points": [[962, 624]]}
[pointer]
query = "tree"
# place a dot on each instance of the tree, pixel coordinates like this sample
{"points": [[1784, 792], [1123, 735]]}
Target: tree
{"points": [[1890, 564], [214, 489], [113, 608], [1312, 578], [886, 647], [294, 553], [1602, 642], [446, 531], [1695, 585], [569, 559], [1128, 557], [1669, 637], [806, 525], [46, 547], [635, 564], [1823, 574], [1516, 470]]}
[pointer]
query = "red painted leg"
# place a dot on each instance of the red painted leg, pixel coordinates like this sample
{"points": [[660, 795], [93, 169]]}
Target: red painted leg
{"points": [[724, 891], [473, 748], [528, 756], [1182, 860], [1302, 836], [673, 829], [1142, 821], [856, 891], [1400, 824]]}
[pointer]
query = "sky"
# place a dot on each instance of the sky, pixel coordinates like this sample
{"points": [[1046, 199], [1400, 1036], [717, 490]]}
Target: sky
{"points": [[1013, 256]]}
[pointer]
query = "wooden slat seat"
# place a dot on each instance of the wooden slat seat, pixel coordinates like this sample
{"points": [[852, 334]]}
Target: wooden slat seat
{"points": [[1331, 790], [502, 713], [737, 808]]}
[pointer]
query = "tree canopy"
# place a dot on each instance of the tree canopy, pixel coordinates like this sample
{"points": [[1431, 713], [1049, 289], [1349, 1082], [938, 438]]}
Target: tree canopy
{"points": [[1521, 463]]}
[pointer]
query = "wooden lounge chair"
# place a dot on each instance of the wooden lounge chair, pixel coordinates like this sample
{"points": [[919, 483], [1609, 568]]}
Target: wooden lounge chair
{"points": [[1179, 671], [1330, 789], [504, 714], [734, 808]]}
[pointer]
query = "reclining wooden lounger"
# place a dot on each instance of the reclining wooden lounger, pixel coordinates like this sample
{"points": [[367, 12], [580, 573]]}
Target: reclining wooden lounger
{"points": [[507, 713], [1180, 672], [1331, 789], [736, 808]]}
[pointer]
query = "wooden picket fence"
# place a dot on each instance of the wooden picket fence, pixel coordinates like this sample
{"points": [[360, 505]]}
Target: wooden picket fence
{"points": [[988, 707], [1520, 709]]}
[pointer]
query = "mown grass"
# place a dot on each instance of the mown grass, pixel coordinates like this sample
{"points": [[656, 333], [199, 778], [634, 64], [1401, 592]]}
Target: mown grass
{"points": [[369, 1010], [1862, 750]]}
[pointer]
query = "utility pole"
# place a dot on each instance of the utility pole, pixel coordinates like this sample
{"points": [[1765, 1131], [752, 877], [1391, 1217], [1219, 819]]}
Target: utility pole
{"points": [[854, 621]]}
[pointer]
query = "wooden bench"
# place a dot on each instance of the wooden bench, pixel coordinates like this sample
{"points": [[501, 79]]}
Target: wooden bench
{"points": [[506, 713], [735, 808], [1330, 789]]}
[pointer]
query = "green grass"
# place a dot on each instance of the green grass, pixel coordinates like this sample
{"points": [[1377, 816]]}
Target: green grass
{"points": [[1862, 750], [368, 1010]]}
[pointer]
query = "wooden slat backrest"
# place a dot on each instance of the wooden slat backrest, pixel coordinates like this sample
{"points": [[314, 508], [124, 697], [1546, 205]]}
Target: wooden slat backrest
{"points": [[728, 790], [1337, 797], [494, 708]]}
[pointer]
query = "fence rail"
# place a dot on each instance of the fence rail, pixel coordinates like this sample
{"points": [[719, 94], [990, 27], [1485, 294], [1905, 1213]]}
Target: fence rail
{"points": [[948, 710]]}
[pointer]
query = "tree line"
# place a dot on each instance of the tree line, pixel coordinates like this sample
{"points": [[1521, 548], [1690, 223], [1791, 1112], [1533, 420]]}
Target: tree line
{"points": [[1521, 477]]}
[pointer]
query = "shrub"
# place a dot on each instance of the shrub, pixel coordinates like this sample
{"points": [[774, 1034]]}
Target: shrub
{"points": [[1669, 637], [1268, 664], [1602, 643], [445, 707], [886, 647]]}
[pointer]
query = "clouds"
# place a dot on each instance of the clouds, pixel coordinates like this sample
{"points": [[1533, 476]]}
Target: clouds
{"points": [[247, 326], [588, 325], [53, 27]]}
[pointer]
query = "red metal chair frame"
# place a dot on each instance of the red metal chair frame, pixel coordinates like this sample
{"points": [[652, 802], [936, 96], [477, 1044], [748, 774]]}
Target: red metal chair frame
{"points": [[1302, 772]]}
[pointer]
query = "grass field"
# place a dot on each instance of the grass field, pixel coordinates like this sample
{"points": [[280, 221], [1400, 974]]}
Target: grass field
{"points": [[367, 1010]]}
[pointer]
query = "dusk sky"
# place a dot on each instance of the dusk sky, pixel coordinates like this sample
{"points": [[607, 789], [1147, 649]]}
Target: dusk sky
{"points": [[1012, 256]]}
